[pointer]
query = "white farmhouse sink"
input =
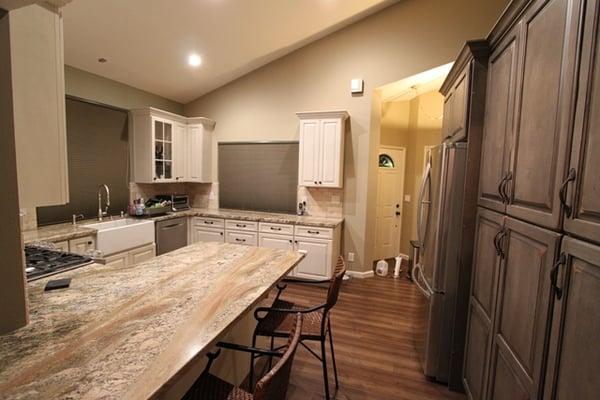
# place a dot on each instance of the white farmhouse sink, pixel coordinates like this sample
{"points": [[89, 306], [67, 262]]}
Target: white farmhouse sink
{"points": [[122, 234]]}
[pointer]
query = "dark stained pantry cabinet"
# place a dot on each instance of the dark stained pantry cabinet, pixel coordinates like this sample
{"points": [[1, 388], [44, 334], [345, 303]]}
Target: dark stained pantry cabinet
{"points": [[534, 308]]}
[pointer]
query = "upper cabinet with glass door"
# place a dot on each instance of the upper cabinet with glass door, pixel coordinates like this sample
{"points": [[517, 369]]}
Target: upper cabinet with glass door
{"points": [[165, 147], [163, 150]]}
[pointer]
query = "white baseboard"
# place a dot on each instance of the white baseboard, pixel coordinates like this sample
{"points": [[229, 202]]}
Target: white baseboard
{"points": [[360, 275]]}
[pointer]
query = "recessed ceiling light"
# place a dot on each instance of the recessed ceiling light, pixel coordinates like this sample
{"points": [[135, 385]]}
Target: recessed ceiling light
{"points": [[194, 60]]}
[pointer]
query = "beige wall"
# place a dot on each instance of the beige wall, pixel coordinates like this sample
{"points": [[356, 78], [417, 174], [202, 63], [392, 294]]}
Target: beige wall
{"points": [[425, 129], [412, 124], [404, 39], [103, 90]]}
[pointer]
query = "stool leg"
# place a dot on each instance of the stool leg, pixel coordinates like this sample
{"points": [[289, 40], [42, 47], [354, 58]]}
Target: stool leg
{"points": [[251, 376], [332, 354], [271, 357], [325, 380]]}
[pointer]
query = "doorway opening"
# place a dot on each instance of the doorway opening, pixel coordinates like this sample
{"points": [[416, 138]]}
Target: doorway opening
{"points": [[411, 113]]}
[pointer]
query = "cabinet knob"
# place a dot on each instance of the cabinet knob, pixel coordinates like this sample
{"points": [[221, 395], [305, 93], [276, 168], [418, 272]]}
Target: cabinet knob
{"points": [[290, 240], [315, 182], [320, 183]]}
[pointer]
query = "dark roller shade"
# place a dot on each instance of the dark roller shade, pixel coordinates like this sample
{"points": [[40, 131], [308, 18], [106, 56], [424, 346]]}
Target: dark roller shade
{"points": [[258, 176], [97, 148]]}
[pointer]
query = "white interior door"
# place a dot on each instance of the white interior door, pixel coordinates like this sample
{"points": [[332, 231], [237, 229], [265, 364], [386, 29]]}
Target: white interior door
{"points": [[390, 189]]}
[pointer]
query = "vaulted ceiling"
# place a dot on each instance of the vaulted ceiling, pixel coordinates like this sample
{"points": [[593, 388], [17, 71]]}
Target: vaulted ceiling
{"points": [[146, 43]]}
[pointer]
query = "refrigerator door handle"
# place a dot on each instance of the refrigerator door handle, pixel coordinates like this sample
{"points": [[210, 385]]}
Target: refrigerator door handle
{"points": [[417, 274], [422, 202]]}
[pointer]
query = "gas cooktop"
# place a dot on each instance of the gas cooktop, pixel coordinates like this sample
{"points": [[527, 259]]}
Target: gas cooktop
{"points": [[42, 261]]}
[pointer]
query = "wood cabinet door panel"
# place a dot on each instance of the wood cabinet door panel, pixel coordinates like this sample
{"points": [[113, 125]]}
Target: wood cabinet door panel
{"points": [[479, 333], [505, 383], [330, 152], [584, 220], [317, 262], [574, 351], [523, 298], [498, 125], [486, 260], [459, 108], [544, 98], [309, 152]]}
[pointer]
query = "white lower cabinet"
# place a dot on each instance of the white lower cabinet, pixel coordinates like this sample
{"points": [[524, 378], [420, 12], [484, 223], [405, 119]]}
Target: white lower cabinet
{"points": [[62, 246], [118, 260], [317, 263], [280, 242], [142, 254], [243, 238], [203, 234], [132, 257], [82, 245]]}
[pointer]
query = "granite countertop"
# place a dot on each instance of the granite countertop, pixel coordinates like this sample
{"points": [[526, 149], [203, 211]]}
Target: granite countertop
{"points": [[66, 231], [57, 233], [258, 216], [126, 332]]}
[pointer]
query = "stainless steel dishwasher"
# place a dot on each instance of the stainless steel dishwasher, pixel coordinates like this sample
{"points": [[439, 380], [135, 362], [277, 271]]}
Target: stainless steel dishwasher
{"points": [[171, 235]]}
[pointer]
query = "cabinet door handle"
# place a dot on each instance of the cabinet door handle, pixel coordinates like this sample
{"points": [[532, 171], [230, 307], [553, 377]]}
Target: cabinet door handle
{"points": [[501, 189], [508, 179], [291, 241], [240, 225], [562, 193], [320, 183], [208, 222], [240, 240], [562, 259], [221, 233], [313, 232], [315, 182], [497, 245], [274, 228]]}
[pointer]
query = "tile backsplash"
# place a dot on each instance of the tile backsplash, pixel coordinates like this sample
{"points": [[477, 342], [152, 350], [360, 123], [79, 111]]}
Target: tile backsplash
{"points": [[322, 202], [202, 195]]}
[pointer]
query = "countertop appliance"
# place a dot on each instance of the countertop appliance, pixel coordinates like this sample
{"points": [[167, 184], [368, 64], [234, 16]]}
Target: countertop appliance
{"points": [[171, 235], [179, 202], [41, 262], [436, 274]]}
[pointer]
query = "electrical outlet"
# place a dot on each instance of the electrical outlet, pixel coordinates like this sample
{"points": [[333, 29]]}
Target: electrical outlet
{"points": [[350, 256], [407, 198]]}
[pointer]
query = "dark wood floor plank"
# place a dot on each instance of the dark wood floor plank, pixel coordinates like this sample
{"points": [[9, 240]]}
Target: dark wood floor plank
{"points": [[372, 327]]}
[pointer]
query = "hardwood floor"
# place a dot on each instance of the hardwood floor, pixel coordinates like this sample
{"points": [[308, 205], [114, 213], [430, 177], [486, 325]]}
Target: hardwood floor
{"points": [[372, 331]]}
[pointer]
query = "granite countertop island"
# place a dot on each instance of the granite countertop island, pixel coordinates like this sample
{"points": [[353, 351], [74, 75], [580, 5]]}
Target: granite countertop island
{"points": [[127, 333]]}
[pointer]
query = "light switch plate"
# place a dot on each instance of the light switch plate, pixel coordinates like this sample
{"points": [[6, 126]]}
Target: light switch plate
{"points": [[407, 198], [357, 86], [350, 256]]}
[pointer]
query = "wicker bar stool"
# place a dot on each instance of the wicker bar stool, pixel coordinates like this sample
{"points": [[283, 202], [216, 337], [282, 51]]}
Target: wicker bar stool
{"points": [[273, 386], [278, 320]]}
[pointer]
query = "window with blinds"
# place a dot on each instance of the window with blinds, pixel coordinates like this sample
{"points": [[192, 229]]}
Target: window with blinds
{"points": [[97, 147], [258, 176]]}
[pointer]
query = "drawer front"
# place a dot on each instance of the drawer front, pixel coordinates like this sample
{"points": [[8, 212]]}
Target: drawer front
{"points": [[239, 225], [241, 237], [202, 234], [62, 246], [142, 254], [314, 232], [209, 222], [280, 229]]}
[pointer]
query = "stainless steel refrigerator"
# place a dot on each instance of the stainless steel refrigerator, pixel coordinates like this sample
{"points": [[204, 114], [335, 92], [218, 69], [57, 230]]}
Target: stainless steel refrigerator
{"points": [[439, 231]]}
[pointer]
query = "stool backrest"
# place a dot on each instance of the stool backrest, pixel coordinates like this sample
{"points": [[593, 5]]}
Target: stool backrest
{"points": [[336, 283], [274, 385]]}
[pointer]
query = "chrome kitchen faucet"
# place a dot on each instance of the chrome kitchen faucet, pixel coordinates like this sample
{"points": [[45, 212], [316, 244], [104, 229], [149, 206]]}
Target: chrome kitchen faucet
{"points": [[101, 213]]}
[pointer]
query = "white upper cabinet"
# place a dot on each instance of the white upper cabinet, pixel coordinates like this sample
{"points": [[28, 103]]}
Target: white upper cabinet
{"points": [[321, 155], [38, 87], [167, 147]]}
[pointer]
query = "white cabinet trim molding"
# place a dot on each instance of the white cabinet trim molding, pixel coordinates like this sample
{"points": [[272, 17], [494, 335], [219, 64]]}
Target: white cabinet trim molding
{"points": [[343, 114]]}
